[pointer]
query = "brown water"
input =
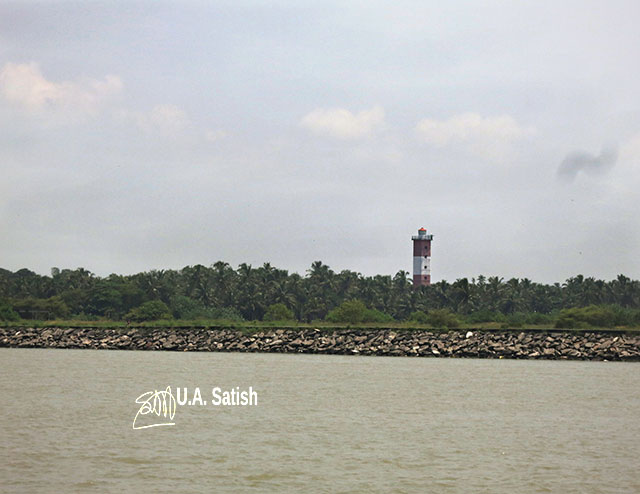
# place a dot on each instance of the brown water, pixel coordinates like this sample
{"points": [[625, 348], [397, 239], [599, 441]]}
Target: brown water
{"points": [[322, 424]]}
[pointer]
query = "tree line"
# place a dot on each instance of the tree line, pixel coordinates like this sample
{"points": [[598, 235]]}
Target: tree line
{"points": [[254, 293]]}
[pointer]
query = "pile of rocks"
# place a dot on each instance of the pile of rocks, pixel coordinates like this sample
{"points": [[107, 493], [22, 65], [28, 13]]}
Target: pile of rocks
{"points": [[387, 342]]}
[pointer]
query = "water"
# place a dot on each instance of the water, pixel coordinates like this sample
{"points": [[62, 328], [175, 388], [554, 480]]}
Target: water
{"points": [[322, 424]]}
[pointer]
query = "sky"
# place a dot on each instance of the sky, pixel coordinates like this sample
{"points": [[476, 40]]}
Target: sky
{"points": [[156, 135]]}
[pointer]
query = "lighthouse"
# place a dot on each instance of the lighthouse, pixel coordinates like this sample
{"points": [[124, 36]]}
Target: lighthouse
{"points": [[421, 258]]}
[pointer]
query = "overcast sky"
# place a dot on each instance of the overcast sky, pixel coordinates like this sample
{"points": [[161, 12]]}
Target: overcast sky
{"points": [[142, 135]]}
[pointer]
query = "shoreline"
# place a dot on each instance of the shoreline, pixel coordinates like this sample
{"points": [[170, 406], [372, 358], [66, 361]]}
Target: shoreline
{"points": [[512, 344]]}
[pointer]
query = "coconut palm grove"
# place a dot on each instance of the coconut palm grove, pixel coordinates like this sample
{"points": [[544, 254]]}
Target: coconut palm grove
{"points": [[266, 293]]}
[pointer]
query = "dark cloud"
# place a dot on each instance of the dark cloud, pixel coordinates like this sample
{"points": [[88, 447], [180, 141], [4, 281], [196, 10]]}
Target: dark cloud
{"points": [[581, 161]]}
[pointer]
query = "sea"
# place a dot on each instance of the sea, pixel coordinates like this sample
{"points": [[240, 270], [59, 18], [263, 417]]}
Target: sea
{"points": [[96, 421]]}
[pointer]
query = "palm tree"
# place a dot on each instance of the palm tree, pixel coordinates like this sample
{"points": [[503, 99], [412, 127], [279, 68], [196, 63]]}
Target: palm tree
{"points": [[198, 284], [490, 293], [223, 279], [625, 291], [461, 295]]}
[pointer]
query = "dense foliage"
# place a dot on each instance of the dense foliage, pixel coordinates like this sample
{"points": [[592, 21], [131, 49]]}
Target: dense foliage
{"points": [[278, 312], [250, 293], [599, 316], [152, 310], [354, 312]]}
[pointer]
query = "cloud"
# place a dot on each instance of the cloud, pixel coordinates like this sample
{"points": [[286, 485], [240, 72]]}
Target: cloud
{"points": [[580, 161], [25, 86], [168, 120], [630, 150], [342, 124], [215, 135], [487, 136], [471, 126], [164, 119]]}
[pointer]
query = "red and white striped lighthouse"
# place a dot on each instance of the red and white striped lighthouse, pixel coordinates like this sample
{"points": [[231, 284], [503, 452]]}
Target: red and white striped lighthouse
{"points": [[421, 258]]}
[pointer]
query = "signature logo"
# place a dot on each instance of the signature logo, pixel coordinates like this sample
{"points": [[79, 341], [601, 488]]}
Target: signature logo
{"points": [[157, 408], [162, 404]]}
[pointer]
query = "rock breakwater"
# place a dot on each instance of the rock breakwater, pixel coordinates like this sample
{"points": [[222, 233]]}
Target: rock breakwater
{"points": [[383, 342]]}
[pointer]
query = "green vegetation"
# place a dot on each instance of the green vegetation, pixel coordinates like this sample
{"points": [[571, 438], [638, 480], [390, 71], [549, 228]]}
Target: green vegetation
{"points": [[153, 310], [222, 295], [439, 318], [443, 318], [7, 313], [278, 312], [354, 312], [34, 308], [597, 316], [186, 308]]}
